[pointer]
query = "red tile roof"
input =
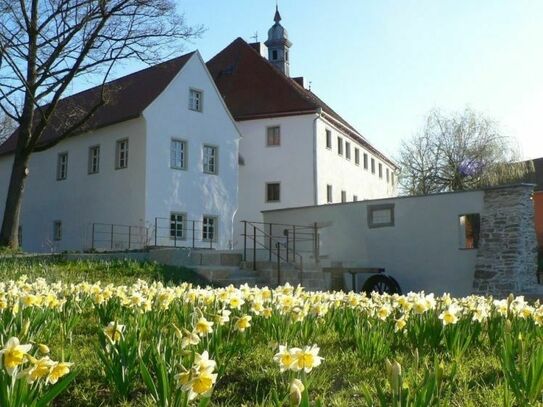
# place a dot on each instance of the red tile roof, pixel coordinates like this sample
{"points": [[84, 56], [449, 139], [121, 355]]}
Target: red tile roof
{"points": [[253, 88], [128, 97]]}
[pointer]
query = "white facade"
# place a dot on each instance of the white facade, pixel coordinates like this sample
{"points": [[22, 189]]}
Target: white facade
{"points": [[148, 188], [304, 167]]}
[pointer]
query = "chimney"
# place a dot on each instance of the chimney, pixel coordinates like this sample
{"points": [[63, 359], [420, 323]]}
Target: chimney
{"points": [[300, 81], [260, 48]]}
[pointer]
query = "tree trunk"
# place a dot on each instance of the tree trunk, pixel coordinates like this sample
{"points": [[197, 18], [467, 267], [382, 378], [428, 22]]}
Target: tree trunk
{"points": [[9, 234]]}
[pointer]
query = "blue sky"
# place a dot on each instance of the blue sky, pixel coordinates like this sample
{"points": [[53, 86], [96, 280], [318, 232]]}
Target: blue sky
{"points": [[383, 64]]}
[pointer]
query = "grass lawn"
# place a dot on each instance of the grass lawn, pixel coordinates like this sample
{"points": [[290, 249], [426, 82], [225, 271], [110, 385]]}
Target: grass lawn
{"points": [[461, 364]]}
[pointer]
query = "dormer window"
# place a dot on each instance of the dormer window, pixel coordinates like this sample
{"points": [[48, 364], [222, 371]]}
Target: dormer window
{"points": [[274, 55]]}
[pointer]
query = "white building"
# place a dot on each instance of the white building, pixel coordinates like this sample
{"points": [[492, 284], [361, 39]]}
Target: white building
{"points": [[163, 151], [295, 150]]}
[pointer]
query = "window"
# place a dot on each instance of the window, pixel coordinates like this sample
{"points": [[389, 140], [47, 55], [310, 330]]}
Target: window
{"points": [[380, 170], [210, 159], [177, 225], [469, 226], [122, 154], [340, 146], [329, 197], [355, 198], [274, 55], [62, 166], [388, 175], [195, 100], [356, 156], [273, 192], [273, 136], [209, 228], [329, 139], [347, 150], [343, 196], [57, 230], [178, 153], [365, 161], [380, 215], [392, 178], [373, 166], [94, 159]]}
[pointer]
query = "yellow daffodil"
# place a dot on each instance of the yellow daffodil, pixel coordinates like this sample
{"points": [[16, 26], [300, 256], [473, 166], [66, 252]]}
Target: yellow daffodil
{"points": [[58, 370], [203, 327], [114, 331], [284, 358], [13, 354], [243, 323]]}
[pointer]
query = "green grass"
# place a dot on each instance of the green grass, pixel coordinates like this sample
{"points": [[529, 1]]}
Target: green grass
{"points": [[118, 272], [251, 373]]}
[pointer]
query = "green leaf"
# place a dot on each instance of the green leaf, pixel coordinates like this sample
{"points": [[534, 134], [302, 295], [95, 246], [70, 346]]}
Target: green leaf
{"points": [[54, 391]]}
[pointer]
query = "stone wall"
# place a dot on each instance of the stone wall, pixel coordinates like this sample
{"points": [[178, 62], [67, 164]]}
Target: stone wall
{"points": [[506, 259]]}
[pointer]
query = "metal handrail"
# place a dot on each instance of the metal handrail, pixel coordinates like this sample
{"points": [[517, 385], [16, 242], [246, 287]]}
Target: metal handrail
{"points": [[274, 243]]}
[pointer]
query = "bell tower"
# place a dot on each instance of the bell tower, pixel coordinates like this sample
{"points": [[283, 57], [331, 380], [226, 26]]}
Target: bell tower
{"points": [[278, 45]]}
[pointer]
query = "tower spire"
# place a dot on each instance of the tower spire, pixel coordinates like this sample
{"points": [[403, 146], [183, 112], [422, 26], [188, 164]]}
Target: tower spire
{"points": [[277, 17], [278, 44]]}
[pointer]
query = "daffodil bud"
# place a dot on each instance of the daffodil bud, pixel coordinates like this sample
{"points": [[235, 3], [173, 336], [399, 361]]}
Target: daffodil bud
{"points": [[44, 349], [25, 329], [296, 390], [396, 373], [510, 299]]}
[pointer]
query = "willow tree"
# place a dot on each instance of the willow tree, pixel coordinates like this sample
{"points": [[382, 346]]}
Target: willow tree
{"points": [[45, 45], [459, 151]]}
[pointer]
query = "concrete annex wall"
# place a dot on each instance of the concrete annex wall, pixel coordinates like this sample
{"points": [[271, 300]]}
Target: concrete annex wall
{"points": [[111, 196], [422, 249], [191, 191]]}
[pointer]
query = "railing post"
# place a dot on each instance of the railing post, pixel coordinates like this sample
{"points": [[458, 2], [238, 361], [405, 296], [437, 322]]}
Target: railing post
{"points": [[193, 231], [111, 243], [294, 243], [92, 242], [254, 248], [156, 231], [245, 240], [278, 245], [270, 244], [316, 243], [129, 236], [286, 234]]}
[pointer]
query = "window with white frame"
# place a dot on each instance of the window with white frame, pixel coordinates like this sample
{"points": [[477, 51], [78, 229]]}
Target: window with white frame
{"points": [[273, 192], [210, 159], [340, 146], [94, 160], [329, 139], [273, 136], [178, 154], [355, 198], [388, 175], [177, 225], [62, 166], [356, 156], [195, 100], [392, 178], [380, 166], [329, 196], [57, 230], [347, 150], [121, 159], [343, 196], [373, 166], [365, 161], [380, 215], [209, 228]]}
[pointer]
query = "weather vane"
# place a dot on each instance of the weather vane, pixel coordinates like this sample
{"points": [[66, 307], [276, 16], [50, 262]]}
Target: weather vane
{"points": [[255, 36]]}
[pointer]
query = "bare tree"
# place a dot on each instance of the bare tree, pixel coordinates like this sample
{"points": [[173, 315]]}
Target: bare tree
{"points": [[47, 44], [457, 152], [7, 127]]}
